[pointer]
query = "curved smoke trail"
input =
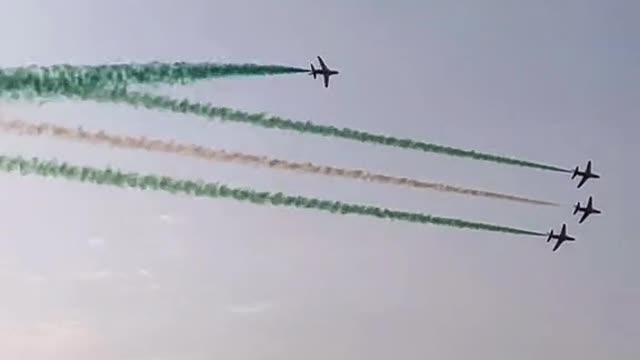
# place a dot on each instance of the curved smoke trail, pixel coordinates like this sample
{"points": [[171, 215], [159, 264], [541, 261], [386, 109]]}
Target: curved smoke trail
{"points": [[215, 190], [192, 150]]}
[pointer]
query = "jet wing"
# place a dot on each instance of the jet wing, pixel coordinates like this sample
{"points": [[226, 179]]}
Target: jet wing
{"points": [[326, 80], [584, 217], [557, 245], [584, 179], [322, 64]]}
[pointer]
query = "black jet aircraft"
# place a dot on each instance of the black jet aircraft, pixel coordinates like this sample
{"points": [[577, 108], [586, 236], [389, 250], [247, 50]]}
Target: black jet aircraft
{"points": [[562, 237], [586, 174], [587, 210], [324, 71]]}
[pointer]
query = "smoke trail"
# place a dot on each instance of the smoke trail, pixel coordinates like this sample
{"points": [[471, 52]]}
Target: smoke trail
{"points": [[94, 88], [65, 79], [210, 154], [158, 102], [215, 190]]}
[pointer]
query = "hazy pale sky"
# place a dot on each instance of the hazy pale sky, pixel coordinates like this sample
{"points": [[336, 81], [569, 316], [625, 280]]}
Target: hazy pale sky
{"points": [[105, 273]]}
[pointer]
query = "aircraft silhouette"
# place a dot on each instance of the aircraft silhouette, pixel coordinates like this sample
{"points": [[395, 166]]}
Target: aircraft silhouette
{"points": [[324, 71], [562, 237], [587, 210], [586, 175]]}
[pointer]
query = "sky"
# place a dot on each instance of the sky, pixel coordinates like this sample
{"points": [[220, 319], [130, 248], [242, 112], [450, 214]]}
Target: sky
{"points": [[108, 273]]}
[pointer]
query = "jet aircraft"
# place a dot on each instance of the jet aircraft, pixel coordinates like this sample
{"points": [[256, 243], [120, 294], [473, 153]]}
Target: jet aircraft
{"points": [[324, 71], [586, 175], [587, 210], [562, 237]]}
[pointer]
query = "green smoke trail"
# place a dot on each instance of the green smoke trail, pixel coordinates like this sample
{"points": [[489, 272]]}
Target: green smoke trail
{"points": [[58, 79], [29, 84], [215, 190], [158, 102]]}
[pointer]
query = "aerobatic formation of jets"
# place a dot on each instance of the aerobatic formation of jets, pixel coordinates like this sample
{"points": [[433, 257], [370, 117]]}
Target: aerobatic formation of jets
{"points": [[586, 211], [585, 175]]}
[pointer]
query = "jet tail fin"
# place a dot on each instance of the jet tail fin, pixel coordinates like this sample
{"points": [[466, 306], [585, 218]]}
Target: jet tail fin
{"points": [[550, 235], [313, 71], [575, 210], [575, 173]]}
